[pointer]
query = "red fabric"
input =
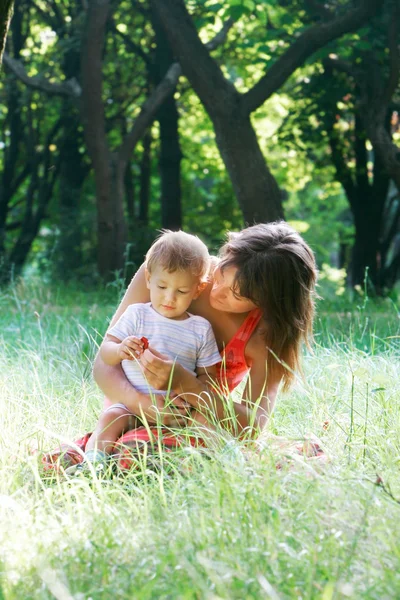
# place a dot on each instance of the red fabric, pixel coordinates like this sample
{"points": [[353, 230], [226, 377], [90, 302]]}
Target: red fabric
{"points": [[233, 368], [130, 444]]}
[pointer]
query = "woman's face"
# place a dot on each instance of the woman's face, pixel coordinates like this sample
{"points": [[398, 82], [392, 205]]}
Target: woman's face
{"points": [[223, 295]]}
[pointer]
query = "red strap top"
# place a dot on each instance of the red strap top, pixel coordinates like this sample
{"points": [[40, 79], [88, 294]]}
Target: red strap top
{"points": [[233, 367]]}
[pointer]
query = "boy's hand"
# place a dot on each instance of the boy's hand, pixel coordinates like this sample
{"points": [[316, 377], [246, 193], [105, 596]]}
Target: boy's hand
{"points": [[131, 348]]}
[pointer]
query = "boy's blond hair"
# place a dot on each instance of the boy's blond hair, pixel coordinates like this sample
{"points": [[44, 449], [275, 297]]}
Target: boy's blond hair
{"points": [[179, 251]]}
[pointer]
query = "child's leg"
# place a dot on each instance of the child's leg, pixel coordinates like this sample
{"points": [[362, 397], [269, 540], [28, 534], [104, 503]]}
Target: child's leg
{"points": [[113, 422]]}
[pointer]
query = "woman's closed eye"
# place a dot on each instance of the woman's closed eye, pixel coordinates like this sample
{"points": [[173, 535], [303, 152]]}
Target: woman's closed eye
{"points": [[236, 295]]}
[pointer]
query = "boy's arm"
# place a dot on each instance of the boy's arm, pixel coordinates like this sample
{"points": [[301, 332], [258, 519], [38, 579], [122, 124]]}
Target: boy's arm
{"points": [[110, 350], [113, 350], [111, 379]]}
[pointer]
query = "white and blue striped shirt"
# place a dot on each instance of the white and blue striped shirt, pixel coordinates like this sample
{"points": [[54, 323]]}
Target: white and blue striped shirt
{"points": [[190, 342]]}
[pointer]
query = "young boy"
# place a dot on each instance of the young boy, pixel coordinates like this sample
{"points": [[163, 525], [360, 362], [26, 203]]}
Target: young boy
{"points": [[177, 265]]}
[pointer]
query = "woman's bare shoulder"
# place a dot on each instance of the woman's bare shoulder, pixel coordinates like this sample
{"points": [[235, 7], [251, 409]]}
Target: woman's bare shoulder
{"points": [[256, 348], [136, 292]]}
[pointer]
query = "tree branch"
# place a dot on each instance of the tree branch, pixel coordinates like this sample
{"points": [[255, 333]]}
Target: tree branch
{"points": [[320, 9], [204, 74], [221, 36], [314, 38], [149, 110], [68, 88], [157, 97]]}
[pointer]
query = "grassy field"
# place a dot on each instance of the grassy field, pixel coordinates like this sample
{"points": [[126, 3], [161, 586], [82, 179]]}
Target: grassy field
{"points": [[231, 528]]}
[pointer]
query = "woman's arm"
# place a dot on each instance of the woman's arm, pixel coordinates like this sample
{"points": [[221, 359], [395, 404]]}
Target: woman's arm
{"points": [[188, 387]]}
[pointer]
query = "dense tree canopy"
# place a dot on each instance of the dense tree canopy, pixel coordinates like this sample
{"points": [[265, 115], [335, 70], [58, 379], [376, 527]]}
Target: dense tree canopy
{"points": [[285, 109]]}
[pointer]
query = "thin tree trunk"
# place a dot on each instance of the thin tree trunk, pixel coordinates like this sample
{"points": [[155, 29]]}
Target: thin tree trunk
{"points": [[364, 260], [145, 174], [72, 176], [170, 151], [108, 168], [6, 8], [130, 194], [170, 166]]}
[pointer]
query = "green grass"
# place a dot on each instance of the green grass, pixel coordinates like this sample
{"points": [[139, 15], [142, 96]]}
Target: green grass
{"points": [[227, 528]]}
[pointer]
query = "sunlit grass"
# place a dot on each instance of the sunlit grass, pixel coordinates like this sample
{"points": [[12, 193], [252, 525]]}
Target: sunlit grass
{"points": [[227, 525]]}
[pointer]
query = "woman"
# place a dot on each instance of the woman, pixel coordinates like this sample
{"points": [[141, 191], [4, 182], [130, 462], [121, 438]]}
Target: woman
{"points": [[260, 303]]}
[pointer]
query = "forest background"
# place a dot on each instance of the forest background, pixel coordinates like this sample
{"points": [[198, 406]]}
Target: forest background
{"points": [[118, 118], [121, 118]]}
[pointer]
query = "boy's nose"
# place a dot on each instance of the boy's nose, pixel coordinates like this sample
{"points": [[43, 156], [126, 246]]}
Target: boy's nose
{"points": [[170, 295]]}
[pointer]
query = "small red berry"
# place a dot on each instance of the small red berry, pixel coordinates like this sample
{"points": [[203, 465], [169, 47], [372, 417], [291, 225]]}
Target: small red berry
{"points": [[145, 342]]}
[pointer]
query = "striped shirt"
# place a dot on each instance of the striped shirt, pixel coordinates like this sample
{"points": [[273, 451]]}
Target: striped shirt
{"points": [[190, 342]]}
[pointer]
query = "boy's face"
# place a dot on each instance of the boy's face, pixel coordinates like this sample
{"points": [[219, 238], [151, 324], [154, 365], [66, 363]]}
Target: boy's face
{"points": [[172, 293]]}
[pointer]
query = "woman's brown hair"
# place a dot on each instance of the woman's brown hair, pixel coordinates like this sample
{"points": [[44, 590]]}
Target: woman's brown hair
{"points": [[276, 270]]}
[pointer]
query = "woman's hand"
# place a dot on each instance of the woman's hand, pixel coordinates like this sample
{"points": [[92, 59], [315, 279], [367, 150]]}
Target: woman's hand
{"points": [[157, 368], [174, 413]]}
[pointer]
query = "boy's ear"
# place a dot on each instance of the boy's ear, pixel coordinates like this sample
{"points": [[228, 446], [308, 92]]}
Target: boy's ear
{"points": [[147, 277], [202, 285]]}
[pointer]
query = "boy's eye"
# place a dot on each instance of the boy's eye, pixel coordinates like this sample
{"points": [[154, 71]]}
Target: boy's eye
{"points": [[161, 287], [182, 292]]}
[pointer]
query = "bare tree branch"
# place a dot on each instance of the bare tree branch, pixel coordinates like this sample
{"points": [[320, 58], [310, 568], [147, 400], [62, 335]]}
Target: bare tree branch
{"points": [[307, 43], [6, 8], [220, 37], [149, 110], [68, 88]]}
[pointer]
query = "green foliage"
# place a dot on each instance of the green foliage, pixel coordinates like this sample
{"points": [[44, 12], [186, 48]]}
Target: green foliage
{"points": [[291, 126]]}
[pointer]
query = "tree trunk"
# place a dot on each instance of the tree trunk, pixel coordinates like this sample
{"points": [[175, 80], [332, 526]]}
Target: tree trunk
{"points": [[256, 189], [130, 194], [145, 174], [6, 7], [170, 151], [111, 224], [72, 176], [170, 166], [364, 253], [108, 168]]}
